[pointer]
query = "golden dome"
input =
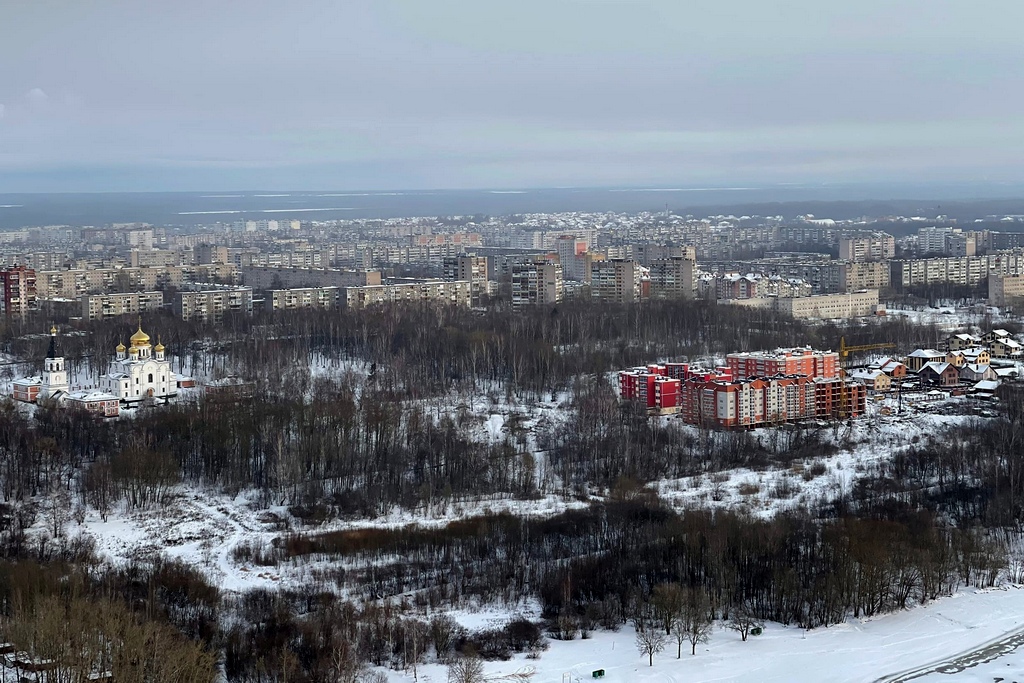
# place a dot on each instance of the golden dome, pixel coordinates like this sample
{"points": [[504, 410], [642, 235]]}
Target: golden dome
{"points": [[120, 347], [53, 329], [140, 338], [159, 348]]}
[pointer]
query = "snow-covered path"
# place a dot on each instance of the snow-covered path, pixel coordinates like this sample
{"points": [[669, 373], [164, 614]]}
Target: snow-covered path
{"points": [[982, 654]]}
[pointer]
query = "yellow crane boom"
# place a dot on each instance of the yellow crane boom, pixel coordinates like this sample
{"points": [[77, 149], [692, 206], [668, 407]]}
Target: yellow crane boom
{"points": [[845, 351]]}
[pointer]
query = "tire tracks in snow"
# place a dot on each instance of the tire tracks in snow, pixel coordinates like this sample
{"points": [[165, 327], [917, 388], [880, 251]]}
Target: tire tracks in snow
{"points": [[994, 649]]}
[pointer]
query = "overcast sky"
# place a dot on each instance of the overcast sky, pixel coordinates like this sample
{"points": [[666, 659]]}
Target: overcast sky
{"points": [[405, 94]]}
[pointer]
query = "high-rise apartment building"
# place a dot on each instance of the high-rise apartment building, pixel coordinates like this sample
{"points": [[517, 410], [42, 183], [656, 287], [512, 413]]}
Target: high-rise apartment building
{"points": [[472, 269], [536, 282], [673, 278], [615, 280], [19, 295], [873, 246], [572, 254]]}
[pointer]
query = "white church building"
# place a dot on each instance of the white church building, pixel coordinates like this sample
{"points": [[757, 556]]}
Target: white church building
{"points": [[137, 373], [51, 384], [140, 371]]}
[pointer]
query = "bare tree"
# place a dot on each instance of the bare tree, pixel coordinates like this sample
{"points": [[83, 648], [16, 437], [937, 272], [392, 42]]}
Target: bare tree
{"points": [[696, 618], [466, 669], [650, 639], [743, 621]]}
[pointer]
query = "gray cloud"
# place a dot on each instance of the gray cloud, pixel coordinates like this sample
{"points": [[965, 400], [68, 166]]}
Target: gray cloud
{"points": [[461, 93]]}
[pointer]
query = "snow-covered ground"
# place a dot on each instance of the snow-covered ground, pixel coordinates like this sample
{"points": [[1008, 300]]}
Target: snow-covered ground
{"points": [[949, 318], [765, 493], [922, 644], [203, 528]]}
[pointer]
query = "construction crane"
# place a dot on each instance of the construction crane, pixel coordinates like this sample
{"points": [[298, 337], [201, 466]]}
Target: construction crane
{"points": [[844, 363], [845, 351]]}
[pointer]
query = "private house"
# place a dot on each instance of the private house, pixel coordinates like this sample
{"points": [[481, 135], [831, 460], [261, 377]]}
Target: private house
{"points": [[956, 342], [874, 380], [974, 372], [1007, 348], [1006, 373], [996, 336], [939, 374], [921, 357], [956, 358], [891, 367], [977, 355], [985, 389]]}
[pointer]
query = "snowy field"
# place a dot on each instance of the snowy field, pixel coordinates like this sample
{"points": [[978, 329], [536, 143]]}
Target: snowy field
{"points": [[942, 641]]}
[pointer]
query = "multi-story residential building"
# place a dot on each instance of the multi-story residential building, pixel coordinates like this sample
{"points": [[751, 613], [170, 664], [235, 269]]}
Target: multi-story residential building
{"points": [[572, 254], [76, 282], [830, 306], [854, 276], [615, 280], [672, 278], [873, 246], [19, 290], [212, 304], [420, 291], [472, 269], [646, 253], [454, 239], [732, 286], [932, 240], [721, 399], [963, 270], [1002, 289], [302, 297], [798, 361], [262, 277], [141, 239], [961, 244], [101, 306], [536, 282], [156, 258], [1005, 240]]}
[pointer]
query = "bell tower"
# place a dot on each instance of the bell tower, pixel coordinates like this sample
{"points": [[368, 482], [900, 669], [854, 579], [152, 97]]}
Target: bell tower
{"points": [[55, 376]]}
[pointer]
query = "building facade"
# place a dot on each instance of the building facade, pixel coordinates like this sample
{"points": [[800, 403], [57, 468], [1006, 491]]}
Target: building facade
{"points": [[876, 246], [419, 291], [672, 278], [615, 280], [101, 306], [302, 297], [536, 282], [19, 285], [472, 269], [798, 361], [830, 306], [140, 371], [1003, 289], [211, 305]]}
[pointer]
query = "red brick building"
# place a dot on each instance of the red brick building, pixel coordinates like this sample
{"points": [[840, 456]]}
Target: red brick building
{"points": [[799, 361], [728, 398]]}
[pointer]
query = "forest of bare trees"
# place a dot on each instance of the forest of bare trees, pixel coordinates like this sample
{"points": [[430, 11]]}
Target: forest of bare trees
{"points": [[933, 517]]}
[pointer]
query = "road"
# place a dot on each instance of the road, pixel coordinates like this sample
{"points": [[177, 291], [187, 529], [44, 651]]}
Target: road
{"points": [[1003, 645]]}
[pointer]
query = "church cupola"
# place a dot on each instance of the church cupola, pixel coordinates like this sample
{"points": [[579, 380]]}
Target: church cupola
{"points": [[159, 349], [141, 347], [120, 351]]}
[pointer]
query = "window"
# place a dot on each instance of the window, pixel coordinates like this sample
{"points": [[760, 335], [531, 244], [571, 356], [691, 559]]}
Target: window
{"points": [[151, 378]]}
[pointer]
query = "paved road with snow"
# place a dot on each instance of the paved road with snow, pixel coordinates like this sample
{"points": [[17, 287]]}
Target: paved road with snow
{"points": [[994, 649]]}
